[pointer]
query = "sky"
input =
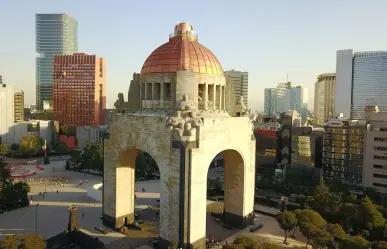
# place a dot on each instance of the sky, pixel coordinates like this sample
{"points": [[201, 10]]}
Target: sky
{"points": [[269, 39]]}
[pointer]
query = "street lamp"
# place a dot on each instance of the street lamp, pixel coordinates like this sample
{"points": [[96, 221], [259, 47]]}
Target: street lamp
{"points": [[36, 222]]}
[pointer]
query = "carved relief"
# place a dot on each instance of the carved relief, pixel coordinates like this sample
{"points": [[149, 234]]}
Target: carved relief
{"points": [[185, 121], [241, 107]]}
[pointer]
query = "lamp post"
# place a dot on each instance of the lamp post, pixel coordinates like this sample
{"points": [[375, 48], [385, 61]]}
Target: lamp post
{"points": [[36, 222]]}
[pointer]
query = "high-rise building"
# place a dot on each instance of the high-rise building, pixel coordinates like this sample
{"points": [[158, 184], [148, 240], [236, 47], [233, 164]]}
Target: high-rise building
{"points": [[361, 80], [79, 92], [286, 98], [273, 103], [19, 106], [237, 87], [375, 159], [324, 97], [296, 98], [6, 113], [55, 34], [343, 150]]}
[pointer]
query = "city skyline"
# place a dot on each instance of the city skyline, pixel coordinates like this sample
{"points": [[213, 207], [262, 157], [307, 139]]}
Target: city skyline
{"points": [[119, 36]]}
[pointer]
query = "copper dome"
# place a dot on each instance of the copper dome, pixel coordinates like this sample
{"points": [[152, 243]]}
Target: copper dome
{"points": [[182, 52]]}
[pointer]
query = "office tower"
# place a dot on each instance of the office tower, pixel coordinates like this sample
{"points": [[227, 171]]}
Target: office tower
{"points": [[237, 86], [19, 106], [296, 98], [361, 79], [79, 92], [6, 113], [273, 103], [55, 34], [375, 159], [324, 97]]}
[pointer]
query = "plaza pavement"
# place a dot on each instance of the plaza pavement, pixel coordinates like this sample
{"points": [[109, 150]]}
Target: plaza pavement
{"points": [[52, 214]]}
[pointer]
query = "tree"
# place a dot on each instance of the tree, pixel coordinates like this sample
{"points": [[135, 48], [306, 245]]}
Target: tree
{"points": [[269, 245], [4, 150], [287, 221], [32, 241], [312, 226], [310, 216], [350, 216], [324, 201], [355, 242], [30, 144], [336, 231], [320, 238], [27, 241], [10, 242], [5, 173], [60, 147], [233, 246], [379, 245], [246, 242], [370, 215]]}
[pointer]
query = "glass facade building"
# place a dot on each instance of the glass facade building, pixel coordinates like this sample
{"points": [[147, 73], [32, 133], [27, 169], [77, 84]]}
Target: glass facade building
{"points": [[369, 83], [361, 80], [55, 34]]}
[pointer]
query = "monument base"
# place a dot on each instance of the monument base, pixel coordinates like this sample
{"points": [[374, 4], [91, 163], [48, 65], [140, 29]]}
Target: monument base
{"points": [[117, 223], [237, 220]]}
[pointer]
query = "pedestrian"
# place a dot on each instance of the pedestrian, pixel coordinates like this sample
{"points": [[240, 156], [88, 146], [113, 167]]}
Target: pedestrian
{"points": [[83, 214], [57, 192]]}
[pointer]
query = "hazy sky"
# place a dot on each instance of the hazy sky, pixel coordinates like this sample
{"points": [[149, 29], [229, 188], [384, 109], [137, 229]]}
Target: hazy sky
{"points": [[269, 39]]}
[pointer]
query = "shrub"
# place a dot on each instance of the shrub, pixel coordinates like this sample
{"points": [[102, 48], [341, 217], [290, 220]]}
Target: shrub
{"points": [[246, 242], [233, 246]]}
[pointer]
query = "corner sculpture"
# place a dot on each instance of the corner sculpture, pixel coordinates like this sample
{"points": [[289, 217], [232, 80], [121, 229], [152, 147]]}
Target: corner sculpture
{"points": [[185, 122], [120, 104], [241, 107]]}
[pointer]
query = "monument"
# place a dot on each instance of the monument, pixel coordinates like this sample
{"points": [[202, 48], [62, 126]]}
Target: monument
{"points": [[176, 113]]}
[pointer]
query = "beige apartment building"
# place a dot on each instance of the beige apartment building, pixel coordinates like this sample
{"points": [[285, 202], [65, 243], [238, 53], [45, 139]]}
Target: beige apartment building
{"points": [[237, 84], [324, 97], [19, 106], [375, 153]]}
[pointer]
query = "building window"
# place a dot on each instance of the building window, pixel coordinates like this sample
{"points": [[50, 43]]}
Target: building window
{"points": [[375, 184], [380, 157], [380, 139], [377, 166], [380, 176], [380, 148]]}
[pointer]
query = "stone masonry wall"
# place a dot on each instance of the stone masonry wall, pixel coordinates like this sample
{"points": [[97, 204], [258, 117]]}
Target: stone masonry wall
{"points": [[150, 134]]}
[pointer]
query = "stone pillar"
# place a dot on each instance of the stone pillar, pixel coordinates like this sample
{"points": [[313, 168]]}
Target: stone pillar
{"points": [[214, 97], [162, 94], [238, 197], [145, 94], [224, 97], [153, 94], [140, 95], [206, 97], [220, 97], [119, 179]]}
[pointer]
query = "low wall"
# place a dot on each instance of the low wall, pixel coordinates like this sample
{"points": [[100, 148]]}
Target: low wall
{"points": [[94, 192]]}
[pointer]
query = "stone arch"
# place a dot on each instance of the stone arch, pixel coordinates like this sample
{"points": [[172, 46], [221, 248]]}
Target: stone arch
{"points": [[234, 184], [125, 185]]}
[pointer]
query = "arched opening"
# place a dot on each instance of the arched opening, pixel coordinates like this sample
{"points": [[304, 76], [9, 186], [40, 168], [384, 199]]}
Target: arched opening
{"points": [[225, 188], [138, 194]]}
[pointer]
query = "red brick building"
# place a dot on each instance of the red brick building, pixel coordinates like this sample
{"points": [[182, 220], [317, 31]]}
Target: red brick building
{"points": [[79, 89]]}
